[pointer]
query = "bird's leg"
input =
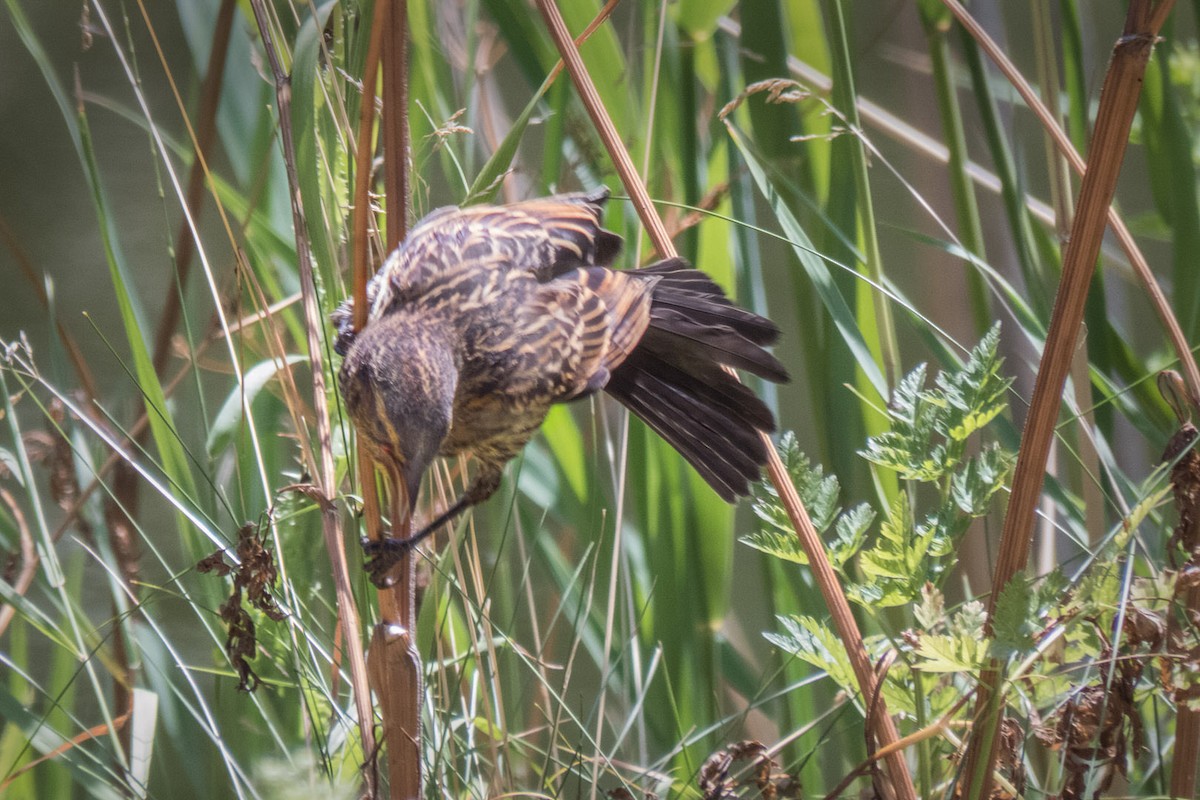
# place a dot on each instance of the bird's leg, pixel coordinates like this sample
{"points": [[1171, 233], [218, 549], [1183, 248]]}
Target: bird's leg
{"points": [[385, 552], [398, 520]]}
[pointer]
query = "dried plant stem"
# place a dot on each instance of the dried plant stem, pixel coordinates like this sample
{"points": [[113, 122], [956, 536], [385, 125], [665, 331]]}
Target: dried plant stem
{"points": [[885, 733], [395, 121], [395, 664], [330, 524], [1156, 10], [1118, 104], [36, 281], [205, 131], [1186, 763], [23, 579]]}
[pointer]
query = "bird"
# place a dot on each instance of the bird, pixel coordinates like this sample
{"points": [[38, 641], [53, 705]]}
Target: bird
{"points": [[486, 316]]}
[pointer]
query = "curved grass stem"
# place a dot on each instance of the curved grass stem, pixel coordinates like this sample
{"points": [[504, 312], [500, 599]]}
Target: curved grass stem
{"points": [[885, 733]]}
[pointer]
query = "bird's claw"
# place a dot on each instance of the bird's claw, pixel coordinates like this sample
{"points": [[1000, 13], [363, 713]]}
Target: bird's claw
{"points": [[382, 555]]}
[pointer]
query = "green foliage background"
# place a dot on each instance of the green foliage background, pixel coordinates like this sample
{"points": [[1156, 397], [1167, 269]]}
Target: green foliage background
{"points": [[598, 624]]}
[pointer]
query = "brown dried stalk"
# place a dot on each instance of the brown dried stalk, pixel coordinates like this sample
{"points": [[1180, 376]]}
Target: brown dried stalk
{"points": [[36, 281], [325, 480], [1183, 552], [843, 620], [1062, 143], [1118, 103], [1186, 764], [394, 663], [28, 560], [395, 122]]}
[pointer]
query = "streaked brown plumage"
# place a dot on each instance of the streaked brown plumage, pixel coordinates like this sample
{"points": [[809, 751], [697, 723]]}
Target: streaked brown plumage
{"points": [[487, 316]]}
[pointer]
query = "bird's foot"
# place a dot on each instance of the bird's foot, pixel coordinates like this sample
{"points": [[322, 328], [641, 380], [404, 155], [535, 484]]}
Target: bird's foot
{"points": [[382, 555]]}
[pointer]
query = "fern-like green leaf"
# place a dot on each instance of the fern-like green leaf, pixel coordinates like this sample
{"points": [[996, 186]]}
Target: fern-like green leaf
{"points": [[818, 491], [950, 653], [1015, 619], [776, 543], [815, 643], [974, 486]]}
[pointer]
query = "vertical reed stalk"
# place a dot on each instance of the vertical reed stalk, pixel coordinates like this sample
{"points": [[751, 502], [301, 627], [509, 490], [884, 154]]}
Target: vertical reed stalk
{"points": [[1118, 104], [325, 480], [885, 733]]}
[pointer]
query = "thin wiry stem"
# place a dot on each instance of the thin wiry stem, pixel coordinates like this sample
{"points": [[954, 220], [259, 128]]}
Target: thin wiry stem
{"points": [[1049, 122], [205, 133], [330, 523]]}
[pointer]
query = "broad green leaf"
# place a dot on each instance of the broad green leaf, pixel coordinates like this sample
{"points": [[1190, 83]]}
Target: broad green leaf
{"points": [[229, 419], [699, 17]]}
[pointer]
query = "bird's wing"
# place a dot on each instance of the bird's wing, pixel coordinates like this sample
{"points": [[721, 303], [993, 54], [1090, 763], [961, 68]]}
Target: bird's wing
{"points": [[572, 226], [545, 237], [587, 322]]}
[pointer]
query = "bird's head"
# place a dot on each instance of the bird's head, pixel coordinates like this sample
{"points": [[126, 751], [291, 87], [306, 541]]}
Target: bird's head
{"points": [[398, 382]]}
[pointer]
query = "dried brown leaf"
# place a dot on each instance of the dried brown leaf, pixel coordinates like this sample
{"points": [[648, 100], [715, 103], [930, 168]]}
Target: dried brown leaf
{"points": [[253, 576], [759, 778]]}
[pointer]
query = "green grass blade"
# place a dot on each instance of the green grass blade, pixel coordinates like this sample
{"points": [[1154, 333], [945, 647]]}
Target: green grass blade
{"points": [[816, 270], [487, 183]]}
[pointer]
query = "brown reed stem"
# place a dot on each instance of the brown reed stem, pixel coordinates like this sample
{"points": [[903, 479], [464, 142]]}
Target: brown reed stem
{"points": [[885, 733], [1118, 104]]}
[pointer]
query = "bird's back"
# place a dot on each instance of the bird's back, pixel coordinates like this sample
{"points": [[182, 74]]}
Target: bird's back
{"points": [[543, 237], [534, 317]]}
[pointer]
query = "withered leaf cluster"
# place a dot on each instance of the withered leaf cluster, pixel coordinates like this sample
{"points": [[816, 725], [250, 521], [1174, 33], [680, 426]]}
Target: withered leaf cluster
{"points": [[1009, 760], [1099, 726], [254, 575], [745, 770], [1180, 666], [621, 793]]}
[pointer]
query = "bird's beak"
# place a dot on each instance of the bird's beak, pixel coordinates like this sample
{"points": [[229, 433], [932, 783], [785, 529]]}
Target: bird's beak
{"points": [[411, 472]]}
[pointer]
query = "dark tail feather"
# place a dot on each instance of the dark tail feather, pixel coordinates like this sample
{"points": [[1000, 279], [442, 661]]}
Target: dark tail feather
{"points": [[675, 382], [699, 308], [726, 454]]}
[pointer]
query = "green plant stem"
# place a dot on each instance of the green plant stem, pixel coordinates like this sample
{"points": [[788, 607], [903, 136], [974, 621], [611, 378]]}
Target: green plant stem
{"points": [[1006, 169], [884, 328], [970, 226], [924, 763]]}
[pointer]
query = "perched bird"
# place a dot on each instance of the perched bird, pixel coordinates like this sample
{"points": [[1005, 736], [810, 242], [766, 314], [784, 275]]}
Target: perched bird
{"points": [[486, 316]]}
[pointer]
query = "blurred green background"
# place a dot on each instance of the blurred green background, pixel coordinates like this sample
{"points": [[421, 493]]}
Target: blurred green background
{"points": [[662, 642]]}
